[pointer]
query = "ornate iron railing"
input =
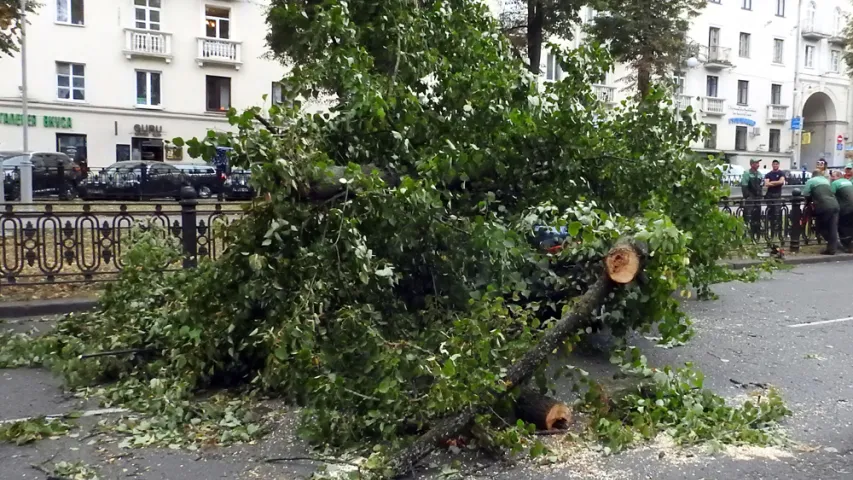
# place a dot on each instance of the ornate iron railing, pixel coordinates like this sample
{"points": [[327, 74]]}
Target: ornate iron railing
{"points": [[776, 221], [84, 242]]}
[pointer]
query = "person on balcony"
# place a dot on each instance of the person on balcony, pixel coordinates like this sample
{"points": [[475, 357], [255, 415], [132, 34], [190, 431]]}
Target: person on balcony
{"points": [[750, 186], [843, 190], [819, 197]]}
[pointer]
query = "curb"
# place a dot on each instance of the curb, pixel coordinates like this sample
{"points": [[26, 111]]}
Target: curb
{"points": [[809, 260], [37, 308]]}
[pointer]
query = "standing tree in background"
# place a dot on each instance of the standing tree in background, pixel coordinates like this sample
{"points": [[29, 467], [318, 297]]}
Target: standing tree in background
{"points": [[527, 22], [649, 36], [848, 46], [10, 27]]}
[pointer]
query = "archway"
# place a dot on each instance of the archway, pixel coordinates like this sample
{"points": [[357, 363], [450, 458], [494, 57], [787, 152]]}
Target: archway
{"points": [[820, 119]]}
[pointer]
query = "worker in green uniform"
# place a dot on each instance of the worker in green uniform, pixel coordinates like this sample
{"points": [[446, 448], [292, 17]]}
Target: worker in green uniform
{"points": [[750, 186], [843, 190], [818, 193]]}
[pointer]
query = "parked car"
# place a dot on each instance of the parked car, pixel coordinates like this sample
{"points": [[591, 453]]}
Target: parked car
{"points": [[732, 173], [203, 178], [237, 187], [134, 180], [54, 173]]}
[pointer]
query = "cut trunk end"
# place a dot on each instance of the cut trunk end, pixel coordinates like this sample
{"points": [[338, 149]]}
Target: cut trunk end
{"points": [[545, 412]]}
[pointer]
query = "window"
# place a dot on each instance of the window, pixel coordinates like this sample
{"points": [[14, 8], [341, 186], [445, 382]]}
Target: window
{"points": [[740, 138], [747, 5], [713, 38], [711, 84], [780, 8], [277, 97], [679, 84], [776, 94], [835, 61], [838, 22], [809, 56], [778, 50], [147, 88], [775, 139], [218, 22], [69, 11], [552, 68], [710, 135], [73, 145], [744, 45], [147, 14], [218, 94], [742, 92], [70, 81], [811, 15]]}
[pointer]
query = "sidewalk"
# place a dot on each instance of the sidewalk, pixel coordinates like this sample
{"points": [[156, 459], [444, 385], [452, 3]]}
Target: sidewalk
{"points": [[790, 259]]}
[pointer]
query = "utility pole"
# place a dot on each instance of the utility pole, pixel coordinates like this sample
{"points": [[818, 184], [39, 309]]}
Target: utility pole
{"points": [[26, 166], [799, 95]]}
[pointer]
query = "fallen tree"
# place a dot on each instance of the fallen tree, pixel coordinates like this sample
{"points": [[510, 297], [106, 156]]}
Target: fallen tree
{"points": [[391, 285], [621, 266]]}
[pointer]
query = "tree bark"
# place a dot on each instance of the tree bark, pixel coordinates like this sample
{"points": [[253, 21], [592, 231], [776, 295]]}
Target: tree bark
{"points": [[545, 412], [535, 26], [523, 369], [644, 80]]}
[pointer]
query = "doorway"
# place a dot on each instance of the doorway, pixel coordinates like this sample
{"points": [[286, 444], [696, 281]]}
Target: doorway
{"points": [[149, 149]]}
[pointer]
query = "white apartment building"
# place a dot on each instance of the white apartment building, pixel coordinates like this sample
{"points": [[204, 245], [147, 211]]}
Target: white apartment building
{"points": [[110, 80], [761, 63]]}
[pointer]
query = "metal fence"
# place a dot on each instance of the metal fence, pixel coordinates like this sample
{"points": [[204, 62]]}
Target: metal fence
{"points": [[75, 242], [775, 221], [78, 242]]}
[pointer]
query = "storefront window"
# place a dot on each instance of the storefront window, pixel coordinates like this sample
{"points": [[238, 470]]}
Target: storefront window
{"points": [[73, 145], [150, 149]]}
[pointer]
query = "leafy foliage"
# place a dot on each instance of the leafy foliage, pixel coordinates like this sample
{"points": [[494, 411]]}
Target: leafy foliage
{"points": [[677, 404], [26, 431], [390, 277], [649, 36], [10, 24]]}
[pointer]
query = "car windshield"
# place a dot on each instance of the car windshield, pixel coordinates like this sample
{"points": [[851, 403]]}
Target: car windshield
{"points": [[14, 161], [122, 167]]}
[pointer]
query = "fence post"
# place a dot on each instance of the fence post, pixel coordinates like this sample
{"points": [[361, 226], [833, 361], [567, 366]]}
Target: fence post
{"points": [[796, 219], [189, 230]]}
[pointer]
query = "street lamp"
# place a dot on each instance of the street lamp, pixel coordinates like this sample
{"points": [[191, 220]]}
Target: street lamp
{"points": [[26, 165], [693, 62]]}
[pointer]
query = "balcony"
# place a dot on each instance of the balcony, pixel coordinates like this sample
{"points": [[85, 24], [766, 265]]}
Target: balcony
{"points": [[683, 101], [605, 94], [777, 113], [219, 51], [814, 31], [718, 58], [713, 106], [147, 43]]}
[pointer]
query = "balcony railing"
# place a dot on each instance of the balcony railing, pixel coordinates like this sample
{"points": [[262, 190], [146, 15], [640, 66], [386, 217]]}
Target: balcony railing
{"points": [[683, 101], [147, 43], [713, 106], [718, 57], [777, 113], [605, 94], [813, 30], [221, 51]]}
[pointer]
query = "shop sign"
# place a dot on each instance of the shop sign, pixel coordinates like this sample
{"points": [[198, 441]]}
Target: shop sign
{"points": [[47, 121], [153, 130]]}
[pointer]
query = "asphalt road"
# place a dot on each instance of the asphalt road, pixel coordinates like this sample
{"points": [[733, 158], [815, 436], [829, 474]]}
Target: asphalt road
{"points": [[762, 332]]}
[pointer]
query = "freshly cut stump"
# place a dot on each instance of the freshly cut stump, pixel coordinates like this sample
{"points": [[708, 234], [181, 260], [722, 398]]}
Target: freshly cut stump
{"points": [[623, 263], [545, 412]]}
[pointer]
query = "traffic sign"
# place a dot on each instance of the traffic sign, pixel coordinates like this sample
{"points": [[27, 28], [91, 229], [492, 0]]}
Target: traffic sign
{"points": [[796, 123], [839, 139], [839, 146]]}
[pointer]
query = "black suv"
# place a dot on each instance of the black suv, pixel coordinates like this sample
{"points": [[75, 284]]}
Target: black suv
{"points": [[203, 178], [134, 180], [53, 174]]}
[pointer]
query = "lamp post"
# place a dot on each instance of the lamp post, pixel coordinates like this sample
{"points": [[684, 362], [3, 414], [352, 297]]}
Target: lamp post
{"points": [[26, 165]]}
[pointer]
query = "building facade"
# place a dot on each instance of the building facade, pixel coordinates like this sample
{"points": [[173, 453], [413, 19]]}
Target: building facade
{"points": [[112, 80], [758, 64]]}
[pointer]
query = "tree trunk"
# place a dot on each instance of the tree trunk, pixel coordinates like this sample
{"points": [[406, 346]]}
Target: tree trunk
{"points": [[535, 25], [523, 369], [644, 80], [545, 412]]}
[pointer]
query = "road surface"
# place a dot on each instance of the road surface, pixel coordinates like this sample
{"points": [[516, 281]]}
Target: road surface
{"points": [[793, 331]]}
